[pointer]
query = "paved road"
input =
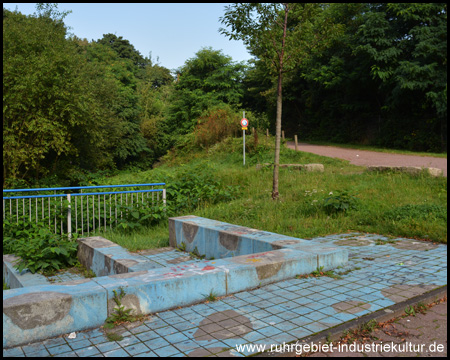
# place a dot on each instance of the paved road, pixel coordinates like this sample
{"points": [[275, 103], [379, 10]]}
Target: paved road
{"points": [[366, 158]]}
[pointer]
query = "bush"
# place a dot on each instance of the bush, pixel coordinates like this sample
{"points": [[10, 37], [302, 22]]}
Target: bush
{"points": [[39, 249], [340, 202], [215, 125], [194, 186]]}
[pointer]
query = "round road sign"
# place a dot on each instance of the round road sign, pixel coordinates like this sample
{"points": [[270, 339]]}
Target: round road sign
{"points": [[244, 122]]}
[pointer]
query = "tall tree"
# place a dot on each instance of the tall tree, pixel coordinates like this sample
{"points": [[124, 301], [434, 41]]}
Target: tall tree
{"points": [[281, 36], [208, 79], [44, 96]]}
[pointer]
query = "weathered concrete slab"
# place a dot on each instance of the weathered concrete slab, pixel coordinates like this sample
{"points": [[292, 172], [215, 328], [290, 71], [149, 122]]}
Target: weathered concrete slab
{"points": [[104, 257], [15, 279], [304, 167], [162, 289], [413, 170], [38, 312], [240, 258]]}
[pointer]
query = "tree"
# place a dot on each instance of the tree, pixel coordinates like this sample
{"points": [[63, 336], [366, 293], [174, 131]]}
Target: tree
{"points": [[407, 47], [44, 97], [208, 79], [124, 49], [281, 36]]}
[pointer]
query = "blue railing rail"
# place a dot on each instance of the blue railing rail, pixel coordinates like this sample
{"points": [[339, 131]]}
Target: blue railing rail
{"points": [[36, 211]]}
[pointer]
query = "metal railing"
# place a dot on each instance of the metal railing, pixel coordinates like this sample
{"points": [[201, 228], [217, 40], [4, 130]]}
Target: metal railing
{"points": [[92, 210]]}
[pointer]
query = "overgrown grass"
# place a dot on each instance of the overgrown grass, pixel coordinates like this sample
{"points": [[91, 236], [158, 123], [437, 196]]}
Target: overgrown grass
{"points": [[394, 204], [139, 239]]}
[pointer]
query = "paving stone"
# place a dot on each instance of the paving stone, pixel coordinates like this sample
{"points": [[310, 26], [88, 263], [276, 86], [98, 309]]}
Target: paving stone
{"points": [[59, 349], [116, 353], [167, 351], [156, 343], [274, 313], [105, 347], [89, 351]]}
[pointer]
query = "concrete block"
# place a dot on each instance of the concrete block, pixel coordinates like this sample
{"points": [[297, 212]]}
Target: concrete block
{"points": [[104, 257], [250, 271], [304, 167], [39, 312], [413, 170], [162, 289], [330, 257], [435, 171], [14, 279]]}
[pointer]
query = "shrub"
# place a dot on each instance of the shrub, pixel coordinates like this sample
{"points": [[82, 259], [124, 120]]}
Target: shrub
{"points": [[214, 125], [340, 201], [39, 249]]}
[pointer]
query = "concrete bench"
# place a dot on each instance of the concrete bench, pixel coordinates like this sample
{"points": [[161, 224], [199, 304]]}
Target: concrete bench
{"points": [[237, 259]]}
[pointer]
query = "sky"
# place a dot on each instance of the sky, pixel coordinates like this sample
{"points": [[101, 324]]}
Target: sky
{"points": [[171, 32]]}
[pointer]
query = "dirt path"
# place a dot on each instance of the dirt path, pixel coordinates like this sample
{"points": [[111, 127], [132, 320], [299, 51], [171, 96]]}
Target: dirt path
{"points": [[366, 158]]}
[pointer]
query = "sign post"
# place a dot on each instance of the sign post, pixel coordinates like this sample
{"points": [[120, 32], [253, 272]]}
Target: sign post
{"points": [[244, 124]]}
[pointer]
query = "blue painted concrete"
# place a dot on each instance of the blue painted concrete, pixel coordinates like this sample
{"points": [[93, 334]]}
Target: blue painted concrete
{"points": [[280, 312], [240, 258]]}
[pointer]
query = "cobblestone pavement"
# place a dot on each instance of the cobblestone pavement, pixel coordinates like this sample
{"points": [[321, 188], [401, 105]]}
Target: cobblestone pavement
{"points": [[381, 272]]}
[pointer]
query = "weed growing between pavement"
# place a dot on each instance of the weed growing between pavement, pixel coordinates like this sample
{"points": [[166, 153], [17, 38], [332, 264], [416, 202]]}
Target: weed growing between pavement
{"points": [[319, 272], [78, 269], [119, 316], [212, 296]]}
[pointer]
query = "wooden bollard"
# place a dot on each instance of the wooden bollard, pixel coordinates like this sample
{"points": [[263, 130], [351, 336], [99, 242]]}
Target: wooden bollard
{"points": [[296, 143], [267, 132], [282, 134]]}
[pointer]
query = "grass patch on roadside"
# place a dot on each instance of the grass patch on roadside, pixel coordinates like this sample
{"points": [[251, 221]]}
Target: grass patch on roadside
{"points": [[391, 204]]}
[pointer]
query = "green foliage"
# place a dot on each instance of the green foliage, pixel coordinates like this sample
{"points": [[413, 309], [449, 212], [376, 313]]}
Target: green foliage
{"points": [[43, 93], [123, 48], [209, 79], [319, 272], [382, 82], [212, 296], [422, 211], [112, 336], [215, 125], [195, 186], [121, 314], [39, 249], [409, 310], [340, 201], [140, 214]]}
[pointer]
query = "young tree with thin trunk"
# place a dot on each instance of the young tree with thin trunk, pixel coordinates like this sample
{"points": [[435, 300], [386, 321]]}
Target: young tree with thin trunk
{"points": [[281, 36]]}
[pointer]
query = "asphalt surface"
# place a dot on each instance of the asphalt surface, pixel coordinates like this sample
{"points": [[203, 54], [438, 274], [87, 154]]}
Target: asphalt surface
{"points": [[366, 158]]}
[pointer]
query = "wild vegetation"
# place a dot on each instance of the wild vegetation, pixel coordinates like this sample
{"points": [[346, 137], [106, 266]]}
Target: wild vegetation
{"points": [[352, 73], [344, 198], [78, 112]]}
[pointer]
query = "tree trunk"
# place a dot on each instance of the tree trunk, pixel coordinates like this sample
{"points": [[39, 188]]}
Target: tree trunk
{"points": [[276, 165]]}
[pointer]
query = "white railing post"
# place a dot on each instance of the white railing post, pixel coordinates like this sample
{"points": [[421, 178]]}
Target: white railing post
{"points": [[69, 218], [164, 199]]}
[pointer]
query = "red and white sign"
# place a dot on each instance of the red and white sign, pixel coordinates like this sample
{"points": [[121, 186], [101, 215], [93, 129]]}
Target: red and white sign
{"points": [[244, 123]]}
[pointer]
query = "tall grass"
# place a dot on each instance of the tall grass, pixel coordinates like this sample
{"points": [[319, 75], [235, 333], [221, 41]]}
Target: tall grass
{"points": [[394, 204]]}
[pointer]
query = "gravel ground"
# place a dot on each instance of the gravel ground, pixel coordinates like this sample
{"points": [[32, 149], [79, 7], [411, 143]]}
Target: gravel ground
{"points": [[366, 158]]}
